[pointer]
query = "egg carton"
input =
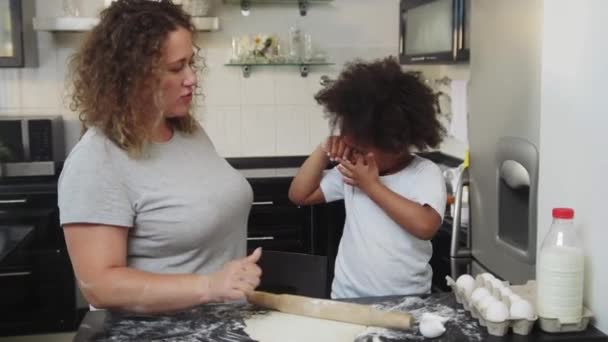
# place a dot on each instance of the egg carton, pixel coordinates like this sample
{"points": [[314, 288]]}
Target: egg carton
{"points": [[553, 325], [520, 326]]}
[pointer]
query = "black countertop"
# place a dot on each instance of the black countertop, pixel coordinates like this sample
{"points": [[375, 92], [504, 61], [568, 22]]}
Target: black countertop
{"points": [[226, 322]]}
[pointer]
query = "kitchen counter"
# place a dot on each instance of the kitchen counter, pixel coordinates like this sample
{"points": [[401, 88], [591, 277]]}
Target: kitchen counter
{"points": [[226, 322]]}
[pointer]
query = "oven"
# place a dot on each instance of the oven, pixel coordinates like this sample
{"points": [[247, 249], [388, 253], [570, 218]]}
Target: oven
{"points": [[36, 277]]}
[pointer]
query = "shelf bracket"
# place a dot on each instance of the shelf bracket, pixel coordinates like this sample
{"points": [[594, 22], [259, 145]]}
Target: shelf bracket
{"points": [[303, 5], [246, 70], [245, 7], [304, 70]]}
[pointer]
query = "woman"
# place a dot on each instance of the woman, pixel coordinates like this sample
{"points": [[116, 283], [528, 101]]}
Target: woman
{"points": [[154, 219]]}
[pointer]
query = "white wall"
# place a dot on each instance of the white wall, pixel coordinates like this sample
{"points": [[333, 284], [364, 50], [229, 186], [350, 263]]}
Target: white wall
{"points": [[270, 113], [574, 122]]}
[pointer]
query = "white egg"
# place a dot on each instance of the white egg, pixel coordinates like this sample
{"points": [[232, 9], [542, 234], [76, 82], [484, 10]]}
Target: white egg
{"points": [[497, 312], [522, 309], [466, 283], [487, 276], [431, 328], [497, 284], [479, 294], [486, 302], [514, 298], [505, 292]]}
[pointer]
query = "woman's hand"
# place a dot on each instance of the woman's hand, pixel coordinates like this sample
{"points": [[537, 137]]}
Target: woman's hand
{"points": [[362, 173], [236, 279], [335, 148]]}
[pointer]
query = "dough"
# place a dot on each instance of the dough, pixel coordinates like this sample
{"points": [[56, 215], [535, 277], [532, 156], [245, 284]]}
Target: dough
{"points": [[431, 327], [280, 327], [432, 316]]}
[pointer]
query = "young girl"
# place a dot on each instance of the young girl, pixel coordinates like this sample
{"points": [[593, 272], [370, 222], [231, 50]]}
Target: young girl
{"points": [[394, 200]]}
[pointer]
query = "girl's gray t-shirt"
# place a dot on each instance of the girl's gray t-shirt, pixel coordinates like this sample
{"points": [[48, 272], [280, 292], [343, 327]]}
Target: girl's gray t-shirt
{"points": [[185, 207]]}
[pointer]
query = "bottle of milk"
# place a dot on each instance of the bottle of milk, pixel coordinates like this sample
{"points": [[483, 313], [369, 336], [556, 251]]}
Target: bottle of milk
{"points": [[560, 270]]}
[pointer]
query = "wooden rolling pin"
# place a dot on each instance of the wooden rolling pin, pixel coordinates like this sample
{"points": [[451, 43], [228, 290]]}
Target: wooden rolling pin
{"points": [[332, 310]]}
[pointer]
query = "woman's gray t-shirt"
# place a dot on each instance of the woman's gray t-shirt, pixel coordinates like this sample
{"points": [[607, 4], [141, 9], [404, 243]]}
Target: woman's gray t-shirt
{"points": [[185, 207]]}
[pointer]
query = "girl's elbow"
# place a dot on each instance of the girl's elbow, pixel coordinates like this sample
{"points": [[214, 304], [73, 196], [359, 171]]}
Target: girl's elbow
{"points": [[429, 231], [295, 198]]}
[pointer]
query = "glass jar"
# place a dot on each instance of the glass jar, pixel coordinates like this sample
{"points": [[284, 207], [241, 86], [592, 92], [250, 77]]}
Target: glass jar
{"points": [[197, 8]]}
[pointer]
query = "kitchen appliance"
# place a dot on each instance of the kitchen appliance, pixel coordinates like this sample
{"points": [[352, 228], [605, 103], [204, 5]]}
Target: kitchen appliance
{"points": [[434, 31], [32, 146], [504, 135]]}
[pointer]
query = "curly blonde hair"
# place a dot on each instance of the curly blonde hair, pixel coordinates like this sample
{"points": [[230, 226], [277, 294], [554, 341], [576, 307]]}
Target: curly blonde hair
{"points": [[117, 71]]}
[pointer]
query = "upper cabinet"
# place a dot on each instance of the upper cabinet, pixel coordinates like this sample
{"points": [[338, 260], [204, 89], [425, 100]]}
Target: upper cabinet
{"points": [[434, 31], [18, 47]]}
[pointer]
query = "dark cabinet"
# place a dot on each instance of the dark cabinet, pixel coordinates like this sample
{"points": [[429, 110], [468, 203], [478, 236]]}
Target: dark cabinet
{"points": [[274, 222], [36, 277], [294, 258]]}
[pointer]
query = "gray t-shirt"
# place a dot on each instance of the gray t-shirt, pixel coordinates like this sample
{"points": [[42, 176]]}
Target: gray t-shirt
{"points": [[185, 207]]}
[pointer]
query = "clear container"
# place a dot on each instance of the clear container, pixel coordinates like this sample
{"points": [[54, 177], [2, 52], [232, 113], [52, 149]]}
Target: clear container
{"points": [[71, 8], [197, 8], [560, 271], [295, 43]]}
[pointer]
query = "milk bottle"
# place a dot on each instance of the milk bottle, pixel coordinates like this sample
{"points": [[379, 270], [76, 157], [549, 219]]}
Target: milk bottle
{"points": [[560, 270]]}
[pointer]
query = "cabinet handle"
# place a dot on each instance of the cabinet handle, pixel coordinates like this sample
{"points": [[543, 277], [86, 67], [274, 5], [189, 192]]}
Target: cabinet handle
{"points": [[455, 250], [260, 238], [14, 274], [14, 201], [263, 203]]}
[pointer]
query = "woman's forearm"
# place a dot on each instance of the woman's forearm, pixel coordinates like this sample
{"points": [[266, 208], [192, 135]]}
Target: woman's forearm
{"points": [[125, 288]]}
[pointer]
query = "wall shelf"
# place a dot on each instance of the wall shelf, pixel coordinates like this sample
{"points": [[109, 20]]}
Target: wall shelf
{"points": [[303, 66], [81, 24], [302, 4]]}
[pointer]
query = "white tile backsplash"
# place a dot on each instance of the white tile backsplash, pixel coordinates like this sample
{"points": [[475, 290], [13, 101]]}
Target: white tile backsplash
{"points": [[319, 126], [223, 125], [39, 85], [293, 130], [271, 113], [258, 88], [10, 89], [258, 130], [289, 88]]}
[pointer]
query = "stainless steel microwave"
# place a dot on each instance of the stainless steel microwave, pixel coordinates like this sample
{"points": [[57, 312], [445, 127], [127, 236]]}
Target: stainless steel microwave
{"points": [[30, 146], [434, 31]]}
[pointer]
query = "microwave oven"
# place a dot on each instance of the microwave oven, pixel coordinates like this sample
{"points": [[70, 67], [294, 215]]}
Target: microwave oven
{"points": [[434, 31], [31, 146]]}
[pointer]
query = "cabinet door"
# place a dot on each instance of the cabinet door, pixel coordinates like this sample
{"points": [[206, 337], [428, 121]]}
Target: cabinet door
{"points": [[274, 222], [294, 273]]}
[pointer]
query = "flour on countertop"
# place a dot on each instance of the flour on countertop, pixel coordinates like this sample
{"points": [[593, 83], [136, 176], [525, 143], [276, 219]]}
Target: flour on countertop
{"points": [[458, 320]]}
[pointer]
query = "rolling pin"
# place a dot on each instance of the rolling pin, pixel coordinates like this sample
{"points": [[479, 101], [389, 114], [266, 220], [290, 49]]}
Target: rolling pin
{"points": [[331, 310]]}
